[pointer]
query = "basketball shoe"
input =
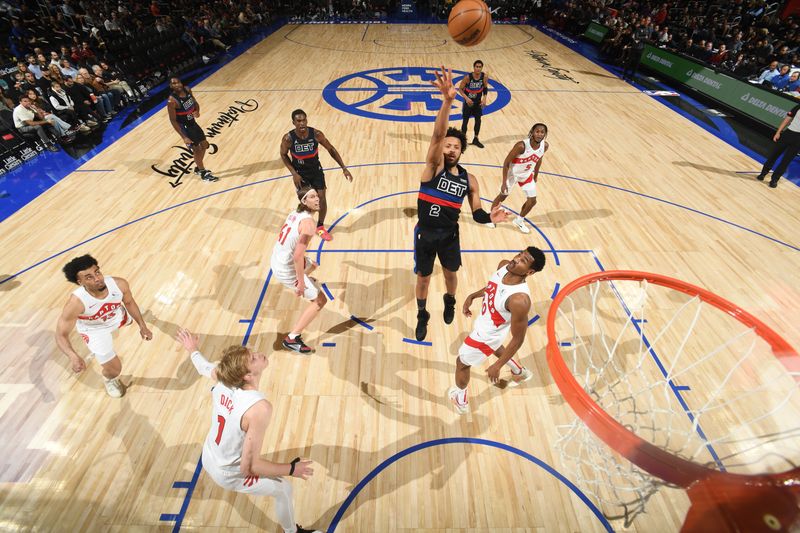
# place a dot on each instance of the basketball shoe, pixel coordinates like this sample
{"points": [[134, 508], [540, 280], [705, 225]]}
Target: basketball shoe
{"points": [[421, 331], [297, 345], [524, 376], [323, 234], [114, 388], [304, 530], [519, 222], [461, 408]]}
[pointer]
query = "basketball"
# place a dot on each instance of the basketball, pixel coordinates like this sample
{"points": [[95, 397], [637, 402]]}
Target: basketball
{"points": [[469, 22]]}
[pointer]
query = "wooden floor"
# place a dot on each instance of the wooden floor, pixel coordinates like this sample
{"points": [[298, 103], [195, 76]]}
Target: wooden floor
{"points": [[626, 182]]}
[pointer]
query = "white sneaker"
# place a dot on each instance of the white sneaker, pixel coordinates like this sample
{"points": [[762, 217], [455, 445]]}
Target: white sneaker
{"points": [[114, 388], [461, 408], [515, 380], [520, 223], [490, 225]]}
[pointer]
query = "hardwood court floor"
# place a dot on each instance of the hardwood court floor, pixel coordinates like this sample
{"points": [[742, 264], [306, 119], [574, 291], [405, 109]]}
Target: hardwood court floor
{"points": [[627, 183]]}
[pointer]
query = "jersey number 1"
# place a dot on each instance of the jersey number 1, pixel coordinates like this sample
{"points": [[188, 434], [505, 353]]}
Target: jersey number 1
{"points": [[221, 420]]}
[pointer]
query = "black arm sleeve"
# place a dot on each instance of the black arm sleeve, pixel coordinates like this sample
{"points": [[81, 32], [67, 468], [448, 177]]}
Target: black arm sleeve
{"points": [[481, 217]]}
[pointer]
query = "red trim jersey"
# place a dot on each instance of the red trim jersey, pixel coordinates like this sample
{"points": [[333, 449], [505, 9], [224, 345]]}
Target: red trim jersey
{"points": [[491, 326], [105, 313], [521, 169]]}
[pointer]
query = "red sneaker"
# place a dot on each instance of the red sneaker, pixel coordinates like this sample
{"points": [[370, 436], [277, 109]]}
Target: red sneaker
{"points": [[323, 234]]}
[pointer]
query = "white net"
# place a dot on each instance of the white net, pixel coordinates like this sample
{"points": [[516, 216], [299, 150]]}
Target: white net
{"points": [[679, 373]]}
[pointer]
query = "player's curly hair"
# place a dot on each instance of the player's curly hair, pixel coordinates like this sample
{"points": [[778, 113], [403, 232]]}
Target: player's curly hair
{"points": [[232, 368], [538, 124], [78, 264], [458, 134]]}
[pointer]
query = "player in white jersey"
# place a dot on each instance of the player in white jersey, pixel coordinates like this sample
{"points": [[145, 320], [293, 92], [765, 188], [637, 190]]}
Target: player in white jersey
{"points": [[506, 303], [291, 267], [240, 414], [522, 166], [97, 308]]}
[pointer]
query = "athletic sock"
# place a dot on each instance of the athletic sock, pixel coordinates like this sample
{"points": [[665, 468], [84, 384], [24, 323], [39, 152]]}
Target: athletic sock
{"points": [[421, 303], [293, 336], [515, 367]]}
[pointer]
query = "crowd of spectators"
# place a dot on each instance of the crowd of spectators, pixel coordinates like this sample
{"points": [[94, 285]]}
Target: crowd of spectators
{"points": [[340, 10], [71, 65], [744, 38]]}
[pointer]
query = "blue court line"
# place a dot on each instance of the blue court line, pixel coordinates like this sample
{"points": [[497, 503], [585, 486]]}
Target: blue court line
{"points": [[181, 484], [565, 343], [555, 290], [257, 309], [466, 440], [361, 322], [327, 292], [676, 390], [533, 320], [411, 250], [597, 260], [190, 486], [328, 344], [682, 387], [364, 165], [245, 320], [94, 170], [253, 90], [415, 341]]}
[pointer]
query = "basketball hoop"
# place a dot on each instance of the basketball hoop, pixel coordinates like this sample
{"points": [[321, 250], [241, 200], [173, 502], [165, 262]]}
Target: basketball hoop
{"points": [[692, 390]]}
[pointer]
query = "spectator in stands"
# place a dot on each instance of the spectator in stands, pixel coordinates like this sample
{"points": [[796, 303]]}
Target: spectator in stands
{"points": [[100, 103], [794, 82], [736, 44], [154, 10], [6, 103], [783, 55], [63, 128], [707, 52], [33, 66], [720, 56], [26, 120], [113, 85], [112, 75], [64, 107], [83, 102], [663, 37], [67, 70], [55, 74], [101, 90], [770, 72], [781, 80]]}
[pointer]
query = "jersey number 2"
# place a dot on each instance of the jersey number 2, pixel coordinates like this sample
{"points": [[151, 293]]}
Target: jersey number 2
{"points": [[435, 210], [221, 420], [285, 230]]}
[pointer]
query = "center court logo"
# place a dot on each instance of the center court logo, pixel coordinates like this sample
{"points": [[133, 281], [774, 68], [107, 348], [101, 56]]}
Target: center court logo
{"points": [[401, 94]]}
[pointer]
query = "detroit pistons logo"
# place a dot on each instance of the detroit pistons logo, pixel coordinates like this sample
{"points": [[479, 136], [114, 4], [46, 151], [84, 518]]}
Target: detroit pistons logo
{"points": [[402, 94]]}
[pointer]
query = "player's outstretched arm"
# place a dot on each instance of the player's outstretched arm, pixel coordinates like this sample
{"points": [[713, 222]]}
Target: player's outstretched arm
{"points": [[191, 344], [334, 154], [444, 83], [514, 153], [519, 305], [66, 322], [468, 301]]}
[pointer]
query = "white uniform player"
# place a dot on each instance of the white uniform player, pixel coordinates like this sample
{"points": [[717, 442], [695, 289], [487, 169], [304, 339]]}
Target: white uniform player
{"points": [[521, 170], [222, 450], [506, 302], [492, 325], [282, 261], [100, 318]]}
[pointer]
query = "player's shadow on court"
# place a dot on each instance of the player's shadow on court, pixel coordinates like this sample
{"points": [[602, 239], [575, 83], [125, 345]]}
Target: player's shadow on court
{"points": [[559, 219], [260, 218], [395, 285], [597, 74], [716, 170], [251, 169], [152, 460], [351, 465], [233, 291], [9, 285]]}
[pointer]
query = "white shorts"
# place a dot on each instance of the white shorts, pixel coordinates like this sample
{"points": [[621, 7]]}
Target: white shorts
{"points": [[527, 185], [238, 482], [474, 352], [290, 282], [101, 342]]}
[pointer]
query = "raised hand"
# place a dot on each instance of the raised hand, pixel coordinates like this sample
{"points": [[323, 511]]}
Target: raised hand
{"points": [[444, 82]]}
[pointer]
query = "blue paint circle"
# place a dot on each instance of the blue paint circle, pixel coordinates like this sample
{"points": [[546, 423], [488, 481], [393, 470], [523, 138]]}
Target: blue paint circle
{"points": [[399, 87], [467, 440]]}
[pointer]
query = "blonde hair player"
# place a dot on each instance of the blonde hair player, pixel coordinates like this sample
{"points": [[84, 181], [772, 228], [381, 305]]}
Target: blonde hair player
{"points": [[97, 308], [506, 303], [291, 267], [240, 414], [522, 167]]}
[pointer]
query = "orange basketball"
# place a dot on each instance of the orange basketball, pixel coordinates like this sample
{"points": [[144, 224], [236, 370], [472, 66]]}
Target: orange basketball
{"points": [[469, 22]]}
